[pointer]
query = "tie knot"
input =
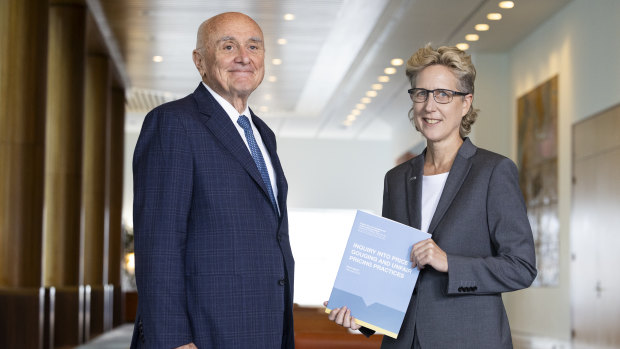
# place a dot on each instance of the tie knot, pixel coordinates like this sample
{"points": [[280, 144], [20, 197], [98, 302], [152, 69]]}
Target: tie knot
{"points": [[244, 122]]}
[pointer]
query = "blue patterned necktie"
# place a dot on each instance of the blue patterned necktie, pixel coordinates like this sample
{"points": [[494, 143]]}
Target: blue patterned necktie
{"points": [[244, 122]]}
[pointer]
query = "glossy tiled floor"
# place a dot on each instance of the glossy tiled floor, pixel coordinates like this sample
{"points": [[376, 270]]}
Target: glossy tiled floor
{"points": [[119, 338]]}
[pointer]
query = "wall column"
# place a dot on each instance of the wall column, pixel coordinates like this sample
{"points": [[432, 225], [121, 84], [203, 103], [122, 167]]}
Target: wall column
{"points": [[23, 52], [63, 166], [94, 186], [115, 199]]}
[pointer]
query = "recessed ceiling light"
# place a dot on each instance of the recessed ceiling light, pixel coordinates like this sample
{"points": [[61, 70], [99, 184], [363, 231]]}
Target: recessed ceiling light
{"points": [[371, 94], [506, 4], [397, 62], [289, 17], [263, 109], [351, 117], [276, 61], [267, 97], [347, 123], [360, 106], [494, 16], [272, 78], [472, 37], [390, 70], [462, 46], [482, 27], [282, 41], [365, 100], [356, 112], [377, 87], [158, 59], [384, 78]]}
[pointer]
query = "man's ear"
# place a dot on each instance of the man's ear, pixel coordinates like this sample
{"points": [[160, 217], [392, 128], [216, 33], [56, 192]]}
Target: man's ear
{"points": [[197, 58]]}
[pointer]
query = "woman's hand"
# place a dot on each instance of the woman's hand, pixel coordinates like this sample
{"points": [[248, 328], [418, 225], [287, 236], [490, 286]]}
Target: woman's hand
{"points": [[426, 252], [188, 346], [342, 316]]}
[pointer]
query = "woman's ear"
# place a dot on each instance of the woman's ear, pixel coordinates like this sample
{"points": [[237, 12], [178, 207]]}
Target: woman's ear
{"points": [[467, 101]]}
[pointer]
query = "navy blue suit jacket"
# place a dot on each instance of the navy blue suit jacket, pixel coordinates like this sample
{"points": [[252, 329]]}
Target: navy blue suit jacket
{"points": [[213, 260]]}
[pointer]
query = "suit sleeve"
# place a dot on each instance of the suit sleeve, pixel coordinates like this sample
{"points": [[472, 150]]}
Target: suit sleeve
{"points": [[162, 168], [513, 266]]}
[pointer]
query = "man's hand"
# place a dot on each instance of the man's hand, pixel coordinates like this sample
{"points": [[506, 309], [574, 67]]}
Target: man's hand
{"points": [[342, 316]]}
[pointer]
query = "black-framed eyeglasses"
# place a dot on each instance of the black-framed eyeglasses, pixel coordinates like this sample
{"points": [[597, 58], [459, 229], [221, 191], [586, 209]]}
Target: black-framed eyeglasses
{"points": [[441, 95]]}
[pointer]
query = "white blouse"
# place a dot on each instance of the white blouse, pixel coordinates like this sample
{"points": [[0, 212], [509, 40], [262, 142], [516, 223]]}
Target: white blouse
{"points": [[432, 187]]}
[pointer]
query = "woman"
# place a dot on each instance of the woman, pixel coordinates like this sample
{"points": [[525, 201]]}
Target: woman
{"points": [[469, 200]]}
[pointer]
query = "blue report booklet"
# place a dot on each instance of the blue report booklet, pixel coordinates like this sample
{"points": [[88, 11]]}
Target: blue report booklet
{"points": [[375, 279]]}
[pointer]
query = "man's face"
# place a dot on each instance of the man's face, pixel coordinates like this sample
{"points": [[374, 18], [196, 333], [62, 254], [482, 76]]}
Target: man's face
{"points": [[232, 60]]}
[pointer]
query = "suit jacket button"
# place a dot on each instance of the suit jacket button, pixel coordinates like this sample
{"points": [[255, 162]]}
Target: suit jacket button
{"points": [[460, 289], [282, 282]]}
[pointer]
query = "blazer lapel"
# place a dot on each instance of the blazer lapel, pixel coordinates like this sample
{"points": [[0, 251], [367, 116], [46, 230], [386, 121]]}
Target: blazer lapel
{"points": [[414, 191], [458, 172], [221, 127]]}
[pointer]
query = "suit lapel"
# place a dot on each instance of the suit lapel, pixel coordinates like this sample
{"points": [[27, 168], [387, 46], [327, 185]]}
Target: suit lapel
{"points": [[220, 125], [458, 173], [414, 191]]}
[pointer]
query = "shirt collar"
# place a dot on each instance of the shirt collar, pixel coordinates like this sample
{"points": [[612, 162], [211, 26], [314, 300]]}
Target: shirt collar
{"points": [[228, 108]]}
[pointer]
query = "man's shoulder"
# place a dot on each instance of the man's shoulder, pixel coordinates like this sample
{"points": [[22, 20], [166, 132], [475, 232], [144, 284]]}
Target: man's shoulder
{"points": [[185, 104]]}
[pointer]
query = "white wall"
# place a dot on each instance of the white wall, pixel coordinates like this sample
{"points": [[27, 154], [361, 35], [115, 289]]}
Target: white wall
{"points": [[580, 44], [336, 174], [492, 129]]}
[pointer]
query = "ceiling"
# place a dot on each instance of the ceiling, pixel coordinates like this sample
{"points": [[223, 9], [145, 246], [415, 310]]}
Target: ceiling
{"points": [[335, 52]]}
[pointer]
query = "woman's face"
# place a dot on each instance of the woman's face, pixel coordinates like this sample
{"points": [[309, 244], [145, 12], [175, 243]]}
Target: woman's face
{"points": [[439, 122]]}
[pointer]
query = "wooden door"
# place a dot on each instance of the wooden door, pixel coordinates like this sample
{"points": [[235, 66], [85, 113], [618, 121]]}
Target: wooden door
{"points": [[595, 232]]}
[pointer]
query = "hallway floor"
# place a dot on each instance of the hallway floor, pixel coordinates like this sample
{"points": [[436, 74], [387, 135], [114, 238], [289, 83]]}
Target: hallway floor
{"points": [[119, 338]]}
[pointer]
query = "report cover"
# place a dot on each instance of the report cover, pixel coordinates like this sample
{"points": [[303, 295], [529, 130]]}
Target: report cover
{"points": [[375, 279]]}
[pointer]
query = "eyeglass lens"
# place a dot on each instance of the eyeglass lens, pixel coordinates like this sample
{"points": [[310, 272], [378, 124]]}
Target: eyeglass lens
{"points": [[440, 95]]}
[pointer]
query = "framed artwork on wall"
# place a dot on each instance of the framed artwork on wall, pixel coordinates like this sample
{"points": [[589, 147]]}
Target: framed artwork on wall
{"points": [[537, 117]]}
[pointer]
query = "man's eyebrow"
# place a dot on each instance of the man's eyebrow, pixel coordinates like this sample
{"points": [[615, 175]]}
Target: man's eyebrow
{"points": [[254, 39], [227, 38]]}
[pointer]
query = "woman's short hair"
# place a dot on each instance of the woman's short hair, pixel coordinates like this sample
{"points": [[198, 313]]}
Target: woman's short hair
{"points": [[459, 63]]}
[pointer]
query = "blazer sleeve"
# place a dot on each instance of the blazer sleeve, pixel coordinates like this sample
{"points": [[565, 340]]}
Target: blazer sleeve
{"points": [[513, 266], [162, 168]]}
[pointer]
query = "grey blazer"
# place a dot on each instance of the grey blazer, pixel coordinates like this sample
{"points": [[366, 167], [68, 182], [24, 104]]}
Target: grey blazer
{"points": [[482, 225]]}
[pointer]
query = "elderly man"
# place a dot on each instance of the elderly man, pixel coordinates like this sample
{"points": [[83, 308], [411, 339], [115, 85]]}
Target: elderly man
{"points": [[214, 266]]}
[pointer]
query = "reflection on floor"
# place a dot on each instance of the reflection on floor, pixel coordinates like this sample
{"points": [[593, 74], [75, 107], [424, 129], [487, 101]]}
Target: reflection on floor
{"points": [[119, 338]]}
